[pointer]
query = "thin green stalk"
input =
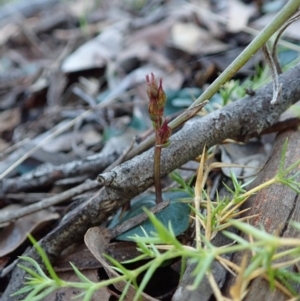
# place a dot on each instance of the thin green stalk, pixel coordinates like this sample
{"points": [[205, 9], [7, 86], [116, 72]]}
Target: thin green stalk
{"points": [[285, 13], [110, 281]]}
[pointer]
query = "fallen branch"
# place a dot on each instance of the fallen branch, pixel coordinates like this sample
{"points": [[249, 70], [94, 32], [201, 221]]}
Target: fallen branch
{"points": [[48, 202], [48, 174], [239, 120]]}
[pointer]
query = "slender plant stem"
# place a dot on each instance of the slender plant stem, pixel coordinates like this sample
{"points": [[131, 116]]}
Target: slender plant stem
{"points": [[198, 198], [157, 175], [157, 184], [259, 187], [285, 13], [227, 211]]}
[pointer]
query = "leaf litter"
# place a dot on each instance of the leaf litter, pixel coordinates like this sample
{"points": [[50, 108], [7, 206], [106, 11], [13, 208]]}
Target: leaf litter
{"points": [[87, 62]]}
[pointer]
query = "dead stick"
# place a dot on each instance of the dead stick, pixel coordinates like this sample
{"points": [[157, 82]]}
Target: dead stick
{"points": [[46, 203]]}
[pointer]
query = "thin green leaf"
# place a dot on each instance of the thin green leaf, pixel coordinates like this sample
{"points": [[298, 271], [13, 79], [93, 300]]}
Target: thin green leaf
{"points": [[147, 278], [88, 294], [258, 234], [41, 274], [45, 259], [202, 267], [121, 268], [125, 290], [236, 238], [23, 290], [80, 275], [39, 292], [256, 262]]}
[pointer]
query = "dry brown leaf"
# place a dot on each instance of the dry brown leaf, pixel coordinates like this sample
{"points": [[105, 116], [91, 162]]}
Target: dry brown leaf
{"points": [[251, 155], [90, 137], [154, 35], [9, 119], [122, 250], [238, 15], [97, 240], [13, 235], [81, 257], [194, 40], [3, 262], [96, 52], [7, 210], [3, 145], [7, 31]]}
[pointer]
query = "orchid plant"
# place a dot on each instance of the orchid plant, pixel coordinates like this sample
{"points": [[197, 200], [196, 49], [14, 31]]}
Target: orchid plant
{"points": [[157, 102]]}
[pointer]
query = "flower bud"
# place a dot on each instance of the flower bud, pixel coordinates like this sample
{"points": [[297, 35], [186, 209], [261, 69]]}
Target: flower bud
{"points": [[152, 86], [153, 109], [161, 96], [157, 98]]}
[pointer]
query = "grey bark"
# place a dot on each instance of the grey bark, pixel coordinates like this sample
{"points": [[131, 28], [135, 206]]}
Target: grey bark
{"points": [[238, 120], [48, 174]]}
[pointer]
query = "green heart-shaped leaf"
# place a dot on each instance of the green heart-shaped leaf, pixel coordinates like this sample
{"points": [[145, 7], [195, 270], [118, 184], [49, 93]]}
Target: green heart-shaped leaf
{"points": [[177, 213]]}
